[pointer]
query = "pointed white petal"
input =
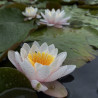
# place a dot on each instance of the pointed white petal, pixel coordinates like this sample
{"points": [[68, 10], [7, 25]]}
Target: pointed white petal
{"points": [[33, 49], [56, 52], [70, 68], [43, 15], [11, 57], [44, 47], [51, 47], [58, 61], [62, 71], [26, 47], [18, 57], [23, 54], [38, 86], [36, 43], [43, 20]]}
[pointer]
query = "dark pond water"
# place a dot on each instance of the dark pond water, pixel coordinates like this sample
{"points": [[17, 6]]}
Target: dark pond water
{"points": [[82, 83]]}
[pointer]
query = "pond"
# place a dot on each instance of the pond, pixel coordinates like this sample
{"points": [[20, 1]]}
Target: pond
{"points": [[82, 83], [48, 48]]}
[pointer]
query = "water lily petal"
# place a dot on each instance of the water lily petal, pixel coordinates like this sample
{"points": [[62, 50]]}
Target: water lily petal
{"points": [[38, 86], [28, 69], [42, 72], [36, 43], [34, 49], [62, 71], [26, 47], [30, 12], [23, 53], [54, 18], [11, 56], [56, 89], [44, 47], [58, 61]]}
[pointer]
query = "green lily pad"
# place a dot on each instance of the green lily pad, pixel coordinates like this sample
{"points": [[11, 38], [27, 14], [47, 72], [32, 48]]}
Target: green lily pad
{"points": [[83, 15], [12, 78], [75, 41], [13, 29]]}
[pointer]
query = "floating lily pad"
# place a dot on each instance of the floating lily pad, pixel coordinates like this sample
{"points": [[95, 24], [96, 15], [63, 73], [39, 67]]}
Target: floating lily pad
{"points": [[75, 41], [12, 78], [83, 15], [13, 29]]}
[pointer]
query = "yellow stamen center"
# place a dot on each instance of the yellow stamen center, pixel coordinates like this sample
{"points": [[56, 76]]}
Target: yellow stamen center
{"points": [[42, 58]]}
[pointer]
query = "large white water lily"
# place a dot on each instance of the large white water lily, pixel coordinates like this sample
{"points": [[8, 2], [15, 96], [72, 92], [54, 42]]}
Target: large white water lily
{"points": [[54, 18], [40, 64], [30, 12]]}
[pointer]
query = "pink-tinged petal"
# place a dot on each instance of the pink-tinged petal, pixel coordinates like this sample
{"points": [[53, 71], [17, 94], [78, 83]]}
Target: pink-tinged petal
{"points": [[42, 72], [28, 69], [26, 47], [62, 71], [56, 89], [11, 57], [38, 86]]}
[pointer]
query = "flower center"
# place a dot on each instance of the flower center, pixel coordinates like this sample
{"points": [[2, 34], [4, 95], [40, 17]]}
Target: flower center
{"points": [[42, 58]]}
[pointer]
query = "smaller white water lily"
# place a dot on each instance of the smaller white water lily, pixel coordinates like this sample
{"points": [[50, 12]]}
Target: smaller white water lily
{"points": [[30, 12], [54, 18], [42, 66]]}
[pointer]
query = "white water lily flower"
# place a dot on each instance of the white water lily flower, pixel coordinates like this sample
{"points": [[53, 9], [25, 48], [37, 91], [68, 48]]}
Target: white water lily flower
{"points": [[30, 12], [40, 64], [54, 18]]}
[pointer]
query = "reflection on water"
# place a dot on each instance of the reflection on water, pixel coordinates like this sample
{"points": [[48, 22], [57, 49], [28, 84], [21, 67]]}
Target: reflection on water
{"points": [[66, 79], [82, 83], [18, 93]]}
